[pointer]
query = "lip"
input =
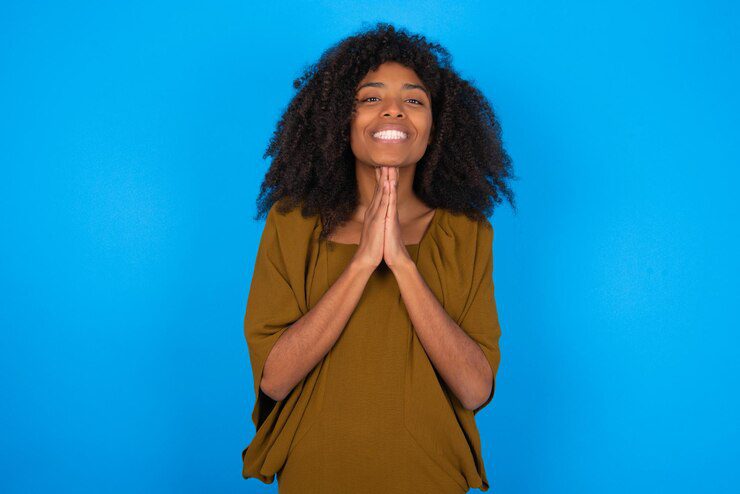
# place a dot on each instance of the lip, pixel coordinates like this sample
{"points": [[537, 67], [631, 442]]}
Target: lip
{"points": [[398, 127]]}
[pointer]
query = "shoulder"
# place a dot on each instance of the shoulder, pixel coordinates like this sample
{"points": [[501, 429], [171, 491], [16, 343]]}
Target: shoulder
{"points": [[458, 259], [288, 221], [466, 233], [291, 234]]}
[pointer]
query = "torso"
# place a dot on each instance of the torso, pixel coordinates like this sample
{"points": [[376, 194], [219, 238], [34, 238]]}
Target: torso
{"points": [[353, 436]]}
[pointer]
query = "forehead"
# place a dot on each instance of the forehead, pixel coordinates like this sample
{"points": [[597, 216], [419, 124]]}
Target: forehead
{"points": [[391, 71]]}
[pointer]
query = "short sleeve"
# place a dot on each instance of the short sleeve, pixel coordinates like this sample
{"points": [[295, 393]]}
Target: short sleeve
{"points": [[272, 307], [480, 319]]}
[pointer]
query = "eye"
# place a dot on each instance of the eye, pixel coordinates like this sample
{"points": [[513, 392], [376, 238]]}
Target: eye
{"points": [[375, 97]]}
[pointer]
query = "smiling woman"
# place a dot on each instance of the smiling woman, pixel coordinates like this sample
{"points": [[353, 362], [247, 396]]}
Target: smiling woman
{"points": [[392, 118], [371, 320]]}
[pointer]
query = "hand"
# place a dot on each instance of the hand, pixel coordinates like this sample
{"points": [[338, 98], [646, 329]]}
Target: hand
{"points": [[394, 251], [370, 249]]}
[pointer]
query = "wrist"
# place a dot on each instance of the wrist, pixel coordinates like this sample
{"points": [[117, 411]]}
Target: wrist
{"points": [[403, 267], [360, 266]]}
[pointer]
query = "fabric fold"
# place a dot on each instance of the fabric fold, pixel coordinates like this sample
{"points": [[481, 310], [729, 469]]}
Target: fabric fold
{"points": [[278, 297], [457, 266]]}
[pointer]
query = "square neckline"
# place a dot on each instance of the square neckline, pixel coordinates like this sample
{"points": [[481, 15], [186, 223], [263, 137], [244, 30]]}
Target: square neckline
{"points": [[417, 244]]}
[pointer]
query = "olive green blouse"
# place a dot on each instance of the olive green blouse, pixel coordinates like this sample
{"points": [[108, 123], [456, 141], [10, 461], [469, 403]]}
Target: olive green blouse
{"points": [[373, 415]]}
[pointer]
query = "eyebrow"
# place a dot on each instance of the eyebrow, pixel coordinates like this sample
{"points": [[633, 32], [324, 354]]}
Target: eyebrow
{"points": [[408, 85]]}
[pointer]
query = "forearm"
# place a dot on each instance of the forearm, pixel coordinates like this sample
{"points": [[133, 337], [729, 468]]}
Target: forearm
{"points": [[310, 338], [457, 357]]}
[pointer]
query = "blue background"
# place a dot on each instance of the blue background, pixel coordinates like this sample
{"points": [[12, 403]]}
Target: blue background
{"points": [[131, 137]]}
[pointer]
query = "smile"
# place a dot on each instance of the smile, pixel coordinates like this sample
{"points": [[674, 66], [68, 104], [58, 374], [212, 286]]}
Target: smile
{"points": [[390, 136]]}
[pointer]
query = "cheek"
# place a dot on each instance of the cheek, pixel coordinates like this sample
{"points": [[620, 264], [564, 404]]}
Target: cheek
{"points": [[357, 127], [427, 133], [425, 122], [355, 134], [356, 140]]}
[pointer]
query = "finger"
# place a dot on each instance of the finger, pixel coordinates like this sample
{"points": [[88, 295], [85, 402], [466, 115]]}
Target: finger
{"points": [[379, 180], [381, 183], [376, 190], [378, 195], [392, 199], [386, 198]]}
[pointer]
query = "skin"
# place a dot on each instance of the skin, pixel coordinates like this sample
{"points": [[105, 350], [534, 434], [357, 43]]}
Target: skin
{"points": [[391, 103], [388, 213]]}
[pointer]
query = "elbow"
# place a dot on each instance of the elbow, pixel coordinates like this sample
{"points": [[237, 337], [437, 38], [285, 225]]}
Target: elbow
{"points": [[270, 391], [270, 388], [484, 395], [474, 405]]}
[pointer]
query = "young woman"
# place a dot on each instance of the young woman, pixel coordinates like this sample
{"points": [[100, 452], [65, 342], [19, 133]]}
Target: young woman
{"points": [[371, 321]]}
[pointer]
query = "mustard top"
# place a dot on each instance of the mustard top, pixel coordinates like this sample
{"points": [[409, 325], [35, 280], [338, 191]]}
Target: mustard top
{"points": [[373, 412]]}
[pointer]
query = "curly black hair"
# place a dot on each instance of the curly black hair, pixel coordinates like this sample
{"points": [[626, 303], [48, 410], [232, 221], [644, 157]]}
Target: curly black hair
{"points": [[465, 168]]}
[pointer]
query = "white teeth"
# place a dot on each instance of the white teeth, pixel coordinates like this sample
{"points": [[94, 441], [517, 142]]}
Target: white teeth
{"points": [[390, 134]]}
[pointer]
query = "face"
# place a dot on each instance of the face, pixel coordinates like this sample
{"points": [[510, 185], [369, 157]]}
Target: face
{"points": [[392, 120]]}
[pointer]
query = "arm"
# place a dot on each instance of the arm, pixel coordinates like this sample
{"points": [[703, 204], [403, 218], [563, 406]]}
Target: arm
{"points": [[310, 338], [456, 356]]}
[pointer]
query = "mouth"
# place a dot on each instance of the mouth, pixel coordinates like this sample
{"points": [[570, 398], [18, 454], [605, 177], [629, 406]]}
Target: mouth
{"points": [[390, 136]]}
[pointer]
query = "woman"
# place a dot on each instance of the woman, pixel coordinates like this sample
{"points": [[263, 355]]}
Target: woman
{"points": [[371, 323]]}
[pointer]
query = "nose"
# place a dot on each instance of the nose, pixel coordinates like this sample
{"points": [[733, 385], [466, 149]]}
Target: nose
{"points": [[392, 109]]}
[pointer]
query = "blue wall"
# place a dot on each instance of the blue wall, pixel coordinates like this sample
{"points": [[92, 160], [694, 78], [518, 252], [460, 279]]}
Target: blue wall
{"points": [[131, 138]]}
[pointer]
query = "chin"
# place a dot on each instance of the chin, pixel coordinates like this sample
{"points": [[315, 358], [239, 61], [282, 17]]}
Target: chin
{"points": [[389, 161]]}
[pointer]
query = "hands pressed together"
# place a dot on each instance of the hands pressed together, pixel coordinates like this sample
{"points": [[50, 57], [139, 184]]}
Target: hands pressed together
{"points": [[381, 232]]}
